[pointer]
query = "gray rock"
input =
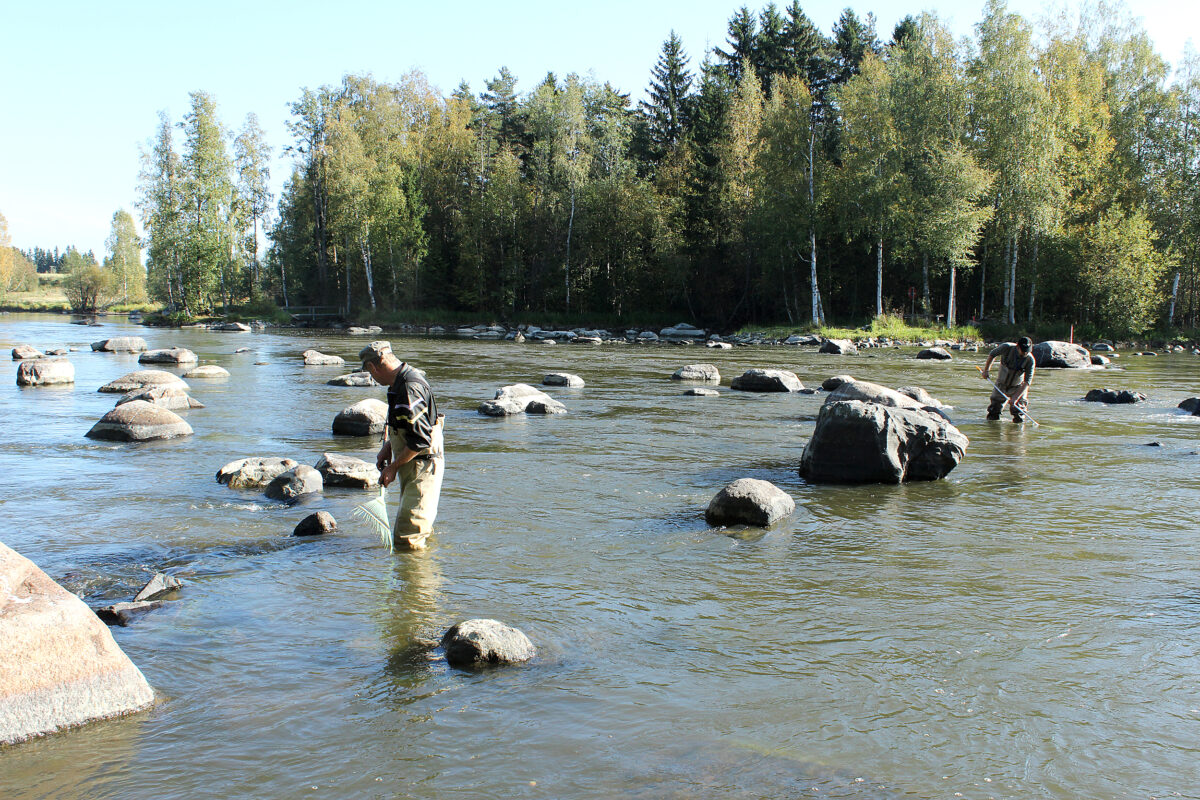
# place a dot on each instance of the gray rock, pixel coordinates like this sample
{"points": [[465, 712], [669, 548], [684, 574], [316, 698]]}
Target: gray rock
{"points": [[317, 524], [748, 501], [921, 396], [24, 351], [803, 339], [121, 344], [231, 327], [45, 372], [1100, 361], [295, 482], [476, 643], [159, 585], [647, 336], [339, 470], [1191, 405], [868, 392], [139, 421], [364, 418], [254, 473], [767, 380], [61, 666], [718, 345], [1062, 355], [124, 613], [1103, 347], [838, 347], [207, 371], [501, 408], [521, 398], [858, 442], [935, 354], [169, 396], [313, 358], [1113, 396], [700, 391], [829, 384], [681, 331], [706, 373], [141, 379], [353, 379], [562, 379], [170, 355]]}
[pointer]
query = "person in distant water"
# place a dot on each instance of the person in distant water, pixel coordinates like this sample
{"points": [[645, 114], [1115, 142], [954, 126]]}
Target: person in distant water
{"points": [[412, 449], [1016, 375]]}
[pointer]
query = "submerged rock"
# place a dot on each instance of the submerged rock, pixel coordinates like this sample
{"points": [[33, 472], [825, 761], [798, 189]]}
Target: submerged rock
{"points": [[294, 483], [254, 473], [141, 379], [45, 372], [207, 371], [700, 391], [748, 501], [339, 470], [476, 643], [767, 380], [317, 524], [935, 354], [1113, 396], [61, 666], [707, 373], [563, 379], [171, 355], [1062, 355], [139, 421], [1191, 405], [121, 344], [860, 442], [364, 418]]}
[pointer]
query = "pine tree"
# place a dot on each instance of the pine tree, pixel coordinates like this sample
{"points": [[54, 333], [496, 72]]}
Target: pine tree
{"points": [[743, 44], [666, 112]]}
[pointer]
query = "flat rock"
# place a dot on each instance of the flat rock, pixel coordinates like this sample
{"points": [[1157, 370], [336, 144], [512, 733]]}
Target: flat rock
{"points": [[748, 501], [935, 354], [563, 379], [141, 379], [718, 345], [476, 643], [353, 379], [124, 613], [24, 351], [700, 391], [207, 371], [170, 355], [313, 358], [339, 470], [169, 396], [255, 472], [139, 421], [838, 347], [706, 373], [61, 666], [121, 344], [317, 524], [1114, 396], [231, 327], [157, 586], [364, 418], [45, 372], [1062, 355], [767, 380], [294, 483], [868, 392], [859, 442]]}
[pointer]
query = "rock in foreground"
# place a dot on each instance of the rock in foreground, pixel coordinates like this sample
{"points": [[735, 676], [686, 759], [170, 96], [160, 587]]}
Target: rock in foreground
{"points": [[857, 442], [748, 501], [61, 666], [476, 643], [139, 421], [45, 372]]}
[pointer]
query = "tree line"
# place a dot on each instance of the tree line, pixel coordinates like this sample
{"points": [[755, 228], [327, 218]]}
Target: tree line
{"points": [[1019, 175]]}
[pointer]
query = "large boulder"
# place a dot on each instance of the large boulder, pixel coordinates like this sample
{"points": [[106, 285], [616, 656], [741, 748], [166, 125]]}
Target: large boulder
{"points": [[168, 355], [339, 470], [353, 379], [838, 347], [1191, 405], [364, 418], [24, 351], [207, 371], [935, 354], [121, 344], [61, 666], [139, 421], [858, 442], [1114, 396], [45, 372], [707, 373], [169, 396], [314, 358], [476, 643], [767, 380], [141, 379], [300, 480], [254, 473], [520, 398], [748, 501], [1063, 355], [563, 379]]}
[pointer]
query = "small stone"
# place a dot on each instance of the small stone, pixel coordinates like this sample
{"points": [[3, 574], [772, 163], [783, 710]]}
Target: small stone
{"points": [[317, 524], [294, 483], [207, 371], [476, 643], [314, 358], [698, 372], [160, 584], [700, 391], [563, 379], [749, 501]]}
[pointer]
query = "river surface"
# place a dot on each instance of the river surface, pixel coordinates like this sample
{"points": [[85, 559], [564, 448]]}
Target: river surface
{"points": [[1028, 627]]}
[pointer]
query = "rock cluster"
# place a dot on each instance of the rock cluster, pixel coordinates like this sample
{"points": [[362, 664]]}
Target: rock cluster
{"points": [[254, 473], [520, 398], [1114, 396]]}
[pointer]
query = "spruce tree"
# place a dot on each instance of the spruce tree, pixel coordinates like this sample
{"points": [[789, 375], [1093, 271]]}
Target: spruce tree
{"points": [[670, 82], [743, 44]]}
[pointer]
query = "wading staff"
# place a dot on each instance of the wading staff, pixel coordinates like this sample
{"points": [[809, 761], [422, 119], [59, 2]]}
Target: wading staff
{"points": [[1007, 399]]}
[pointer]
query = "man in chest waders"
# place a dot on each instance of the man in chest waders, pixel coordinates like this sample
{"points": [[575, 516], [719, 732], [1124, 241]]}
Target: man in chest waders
{"points": [[412, 450], [1012, 384]]}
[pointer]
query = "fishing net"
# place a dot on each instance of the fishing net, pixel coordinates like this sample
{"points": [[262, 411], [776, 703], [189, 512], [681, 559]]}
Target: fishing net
{"points": [[375, 514]]}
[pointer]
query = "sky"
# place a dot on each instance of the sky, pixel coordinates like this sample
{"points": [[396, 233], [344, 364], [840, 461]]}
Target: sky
{"points": [[82, 83]]}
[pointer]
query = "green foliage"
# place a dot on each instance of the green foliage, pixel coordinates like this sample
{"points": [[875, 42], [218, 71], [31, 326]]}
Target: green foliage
{"points": [[124, 259], [88, 286]]}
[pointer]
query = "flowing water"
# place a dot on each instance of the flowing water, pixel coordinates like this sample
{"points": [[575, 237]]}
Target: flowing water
{"points": [[1028, 627]]}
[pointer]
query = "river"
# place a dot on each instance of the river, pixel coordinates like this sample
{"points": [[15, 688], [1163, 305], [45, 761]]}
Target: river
{"points": [[1026, 628]]}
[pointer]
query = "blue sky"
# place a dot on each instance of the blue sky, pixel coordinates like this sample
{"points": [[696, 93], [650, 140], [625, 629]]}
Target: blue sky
{"points": [[81, 83]]}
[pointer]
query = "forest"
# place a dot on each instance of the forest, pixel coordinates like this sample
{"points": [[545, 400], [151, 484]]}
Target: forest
{"points": [[1025, 174]]}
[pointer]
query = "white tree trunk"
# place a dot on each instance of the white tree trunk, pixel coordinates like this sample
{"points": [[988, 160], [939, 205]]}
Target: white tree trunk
{"points": [[1012, 285], [951, 316], [926, 305], [879, 277], [982, 278], [1033, 278], [365, 246], [1174, 294], [812, 262]]}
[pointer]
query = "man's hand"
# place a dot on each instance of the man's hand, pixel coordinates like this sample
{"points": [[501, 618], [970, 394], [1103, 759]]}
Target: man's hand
{"points": [[388, 474], [385, 456]]}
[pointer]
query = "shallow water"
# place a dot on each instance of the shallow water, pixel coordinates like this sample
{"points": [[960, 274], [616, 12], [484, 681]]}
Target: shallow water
{"points": [[1025, 628]]}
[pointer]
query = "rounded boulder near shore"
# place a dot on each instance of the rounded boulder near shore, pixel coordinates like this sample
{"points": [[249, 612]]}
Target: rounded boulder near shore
{"points": [[139, 421]]}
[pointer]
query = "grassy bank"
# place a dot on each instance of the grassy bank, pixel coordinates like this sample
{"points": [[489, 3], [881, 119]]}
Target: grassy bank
{"points": [[887, 326]]}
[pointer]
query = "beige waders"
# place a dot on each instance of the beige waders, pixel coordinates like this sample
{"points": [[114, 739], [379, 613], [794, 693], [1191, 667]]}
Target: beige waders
{"points": [[420, 488]]}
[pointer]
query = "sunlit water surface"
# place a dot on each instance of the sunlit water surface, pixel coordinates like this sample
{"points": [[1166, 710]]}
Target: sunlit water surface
{"points": [[1028, 627]]}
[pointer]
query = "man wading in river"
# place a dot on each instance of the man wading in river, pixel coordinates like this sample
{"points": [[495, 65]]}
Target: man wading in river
{"points": [[1016, 375], [412, 449]]}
